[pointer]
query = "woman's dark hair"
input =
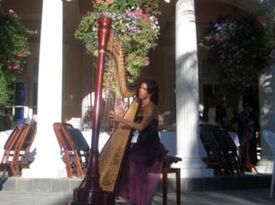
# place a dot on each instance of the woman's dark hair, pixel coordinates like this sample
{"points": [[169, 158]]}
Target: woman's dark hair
{"points": [[152, 88]]}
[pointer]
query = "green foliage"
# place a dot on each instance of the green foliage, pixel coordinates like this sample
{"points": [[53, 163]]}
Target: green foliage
{"points": [[134, 23], [5, 92], [238, 48], [120, 6], [14, 50]]}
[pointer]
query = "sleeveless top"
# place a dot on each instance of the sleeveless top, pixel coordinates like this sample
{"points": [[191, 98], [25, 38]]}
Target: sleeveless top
{"points": [[150, 134]]}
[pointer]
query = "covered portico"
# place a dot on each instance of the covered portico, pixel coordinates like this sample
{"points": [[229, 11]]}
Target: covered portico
{"points": [[65, 76]]}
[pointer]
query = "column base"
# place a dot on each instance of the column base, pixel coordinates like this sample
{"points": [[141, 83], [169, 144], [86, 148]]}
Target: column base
{"points": [[42, 171], [196, 172], [265, 166], [194, 168]]}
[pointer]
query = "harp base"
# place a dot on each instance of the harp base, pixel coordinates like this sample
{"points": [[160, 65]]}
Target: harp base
{"points": [[86, 196], [83, 196]]}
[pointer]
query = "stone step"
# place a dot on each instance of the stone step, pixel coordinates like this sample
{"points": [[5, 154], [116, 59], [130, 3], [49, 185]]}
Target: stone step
{"points": [[247, 181], [40, 184], [221, 183]]}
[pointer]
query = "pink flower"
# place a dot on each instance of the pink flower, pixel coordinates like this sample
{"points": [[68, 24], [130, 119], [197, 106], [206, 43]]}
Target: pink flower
{"points": [[107, 2], [138, 13]]}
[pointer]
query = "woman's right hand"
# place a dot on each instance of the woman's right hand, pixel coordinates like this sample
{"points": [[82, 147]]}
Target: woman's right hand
{"points": [[114, 117]]}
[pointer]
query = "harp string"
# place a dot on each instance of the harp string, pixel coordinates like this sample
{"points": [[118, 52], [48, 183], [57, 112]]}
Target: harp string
{"points": [[117, 94]]}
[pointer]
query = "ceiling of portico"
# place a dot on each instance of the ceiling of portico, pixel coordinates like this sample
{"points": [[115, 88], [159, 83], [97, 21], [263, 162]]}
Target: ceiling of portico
{"points": [[31, 10], [257, 7], [26, 9]]}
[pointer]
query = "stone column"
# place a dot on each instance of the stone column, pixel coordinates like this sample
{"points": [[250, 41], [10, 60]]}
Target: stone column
{"points": [[48, 163], [267, 95], [267, 107], [187, 92]]}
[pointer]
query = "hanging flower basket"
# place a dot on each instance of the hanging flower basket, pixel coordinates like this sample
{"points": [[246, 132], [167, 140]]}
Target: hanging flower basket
{"points": [[14, 50], [14, 47], [135, 25], [238, 48]]}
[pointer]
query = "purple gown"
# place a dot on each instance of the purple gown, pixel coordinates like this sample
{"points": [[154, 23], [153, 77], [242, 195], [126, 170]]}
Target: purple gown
{"points": [[141, 172]]}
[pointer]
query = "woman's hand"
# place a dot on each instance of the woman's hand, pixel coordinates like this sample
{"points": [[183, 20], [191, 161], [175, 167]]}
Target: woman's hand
{"points": [[114, 117]]}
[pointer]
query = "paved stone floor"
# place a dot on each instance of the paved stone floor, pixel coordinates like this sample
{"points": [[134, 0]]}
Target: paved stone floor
{"points": [[233, 197]]}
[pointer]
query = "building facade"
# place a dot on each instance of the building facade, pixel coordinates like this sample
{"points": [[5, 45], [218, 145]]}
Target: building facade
{"points": [[58, 81]]}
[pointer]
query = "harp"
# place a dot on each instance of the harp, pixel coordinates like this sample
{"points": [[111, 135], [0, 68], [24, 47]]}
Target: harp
{"points": [[102, 173], [112, 155]]}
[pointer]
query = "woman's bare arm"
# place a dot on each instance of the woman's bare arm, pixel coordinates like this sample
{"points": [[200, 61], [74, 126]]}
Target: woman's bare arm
{"points": [[148, 114]]}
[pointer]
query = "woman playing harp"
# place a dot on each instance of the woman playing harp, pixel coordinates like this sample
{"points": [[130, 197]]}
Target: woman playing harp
{"points": [[140, 175]]}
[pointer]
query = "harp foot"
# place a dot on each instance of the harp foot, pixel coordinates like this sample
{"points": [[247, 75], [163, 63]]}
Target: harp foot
{"points": [[90, 197]]}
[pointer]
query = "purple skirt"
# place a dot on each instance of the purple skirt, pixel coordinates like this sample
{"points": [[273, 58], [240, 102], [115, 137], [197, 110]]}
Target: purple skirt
{"points": [[141, 173]]}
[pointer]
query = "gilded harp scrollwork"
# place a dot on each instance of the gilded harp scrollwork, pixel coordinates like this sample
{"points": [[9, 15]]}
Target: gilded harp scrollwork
{"points": [[112, 155]]}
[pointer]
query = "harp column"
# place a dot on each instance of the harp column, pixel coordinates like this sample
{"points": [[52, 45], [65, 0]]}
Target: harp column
{"points": [[187, 92], [47, 161]]}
